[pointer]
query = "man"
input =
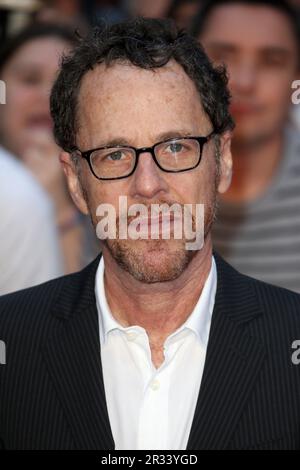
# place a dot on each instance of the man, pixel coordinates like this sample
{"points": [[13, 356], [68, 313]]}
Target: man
{"points": [[152, 346], [259, 219]]}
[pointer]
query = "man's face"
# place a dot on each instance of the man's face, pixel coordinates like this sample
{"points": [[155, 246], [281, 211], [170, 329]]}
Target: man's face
{"points": [[136, 107], [258, 46]]}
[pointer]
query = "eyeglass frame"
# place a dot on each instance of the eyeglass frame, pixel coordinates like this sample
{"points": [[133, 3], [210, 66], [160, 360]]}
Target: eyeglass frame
{"points": [[202, 140]]}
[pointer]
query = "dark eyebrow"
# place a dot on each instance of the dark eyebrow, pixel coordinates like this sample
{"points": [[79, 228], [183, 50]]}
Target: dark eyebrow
{"points": [[278, 50], [224, 46], [117, 141], [228, 47], [173, 135]]}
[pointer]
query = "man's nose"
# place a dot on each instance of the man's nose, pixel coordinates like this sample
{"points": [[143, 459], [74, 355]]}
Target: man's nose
{"points": [[243, 78], [148, 179]]}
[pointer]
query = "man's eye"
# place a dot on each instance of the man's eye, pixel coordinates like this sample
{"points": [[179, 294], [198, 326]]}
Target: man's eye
{"points": [[274, 61], [115, 156], [175, 147]]}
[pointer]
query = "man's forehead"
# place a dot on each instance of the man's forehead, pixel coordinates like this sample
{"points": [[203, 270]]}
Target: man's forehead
{"points": [[124, 106], [117, 75]]}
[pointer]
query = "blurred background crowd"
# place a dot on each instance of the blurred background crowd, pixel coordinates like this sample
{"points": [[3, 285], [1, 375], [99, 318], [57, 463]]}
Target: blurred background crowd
{"points": [[42, 234]]}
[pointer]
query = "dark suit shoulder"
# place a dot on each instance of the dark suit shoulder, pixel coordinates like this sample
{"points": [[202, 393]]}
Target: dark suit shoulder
{"points": [[271, 294], [279, 323], [276, 304], [35, 310], [281, 308], [26, 312], [276, 300]]}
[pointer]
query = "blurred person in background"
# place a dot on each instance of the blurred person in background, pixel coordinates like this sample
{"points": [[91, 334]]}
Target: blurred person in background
{"points": [[15, 14], [258, 227], [149, 8], [60, 11], [27, 220], [29, 244], [111, 11], [183, 12], [28, 65], [296, 108], [82, 13]]}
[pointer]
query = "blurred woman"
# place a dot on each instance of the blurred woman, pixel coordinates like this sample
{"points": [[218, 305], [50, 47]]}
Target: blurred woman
{"points": [[28, 66]]}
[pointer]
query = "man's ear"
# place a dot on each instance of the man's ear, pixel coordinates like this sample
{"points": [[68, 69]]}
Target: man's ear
{"points": [[225, 170], [73, 181]]}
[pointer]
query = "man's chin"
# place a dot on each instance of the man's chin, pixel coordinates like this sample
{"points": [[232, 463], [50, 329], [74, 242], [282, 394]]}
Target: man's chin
{"points": [[151, 261]]}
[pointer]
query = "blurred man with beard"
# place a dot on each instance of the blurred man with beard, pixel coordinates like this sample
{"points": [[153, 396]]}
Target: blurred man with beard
{"points": [[150, 346], [258, 228]]}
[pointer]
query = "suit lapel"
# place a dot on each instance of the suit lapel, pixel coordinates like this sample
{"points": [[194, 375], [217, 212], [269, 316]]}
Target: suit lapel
{"points": [[233, 362], [73, 358]]}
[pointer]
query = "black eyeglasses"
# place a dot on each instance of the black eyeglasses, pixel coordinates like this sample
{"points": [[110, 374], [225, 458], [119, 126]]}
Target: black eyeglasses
{"points": [[173, 156]]}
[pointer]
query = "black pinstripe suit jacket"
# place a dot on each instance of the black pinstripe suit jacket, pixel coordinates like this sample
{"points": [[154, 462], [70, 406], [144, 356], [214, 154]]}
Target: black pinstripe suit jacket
{"points": [[51, 387]]}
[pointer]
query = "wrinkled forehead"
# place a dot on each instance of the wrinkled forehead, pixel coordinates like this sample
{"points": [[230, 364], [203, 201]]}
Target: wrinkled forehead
{"points": [[123, 80], [126, 98]]}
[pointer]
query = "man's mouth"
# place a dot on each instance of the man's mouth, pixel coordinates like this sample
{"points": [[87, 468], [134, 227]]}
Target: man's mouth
{"points": [[244, 109], [161, 224]]}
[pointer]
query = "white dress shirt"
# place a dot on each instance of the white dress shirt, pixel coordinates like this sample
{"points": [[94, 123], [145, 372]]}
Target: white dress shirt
{"points": [[151, 408]]}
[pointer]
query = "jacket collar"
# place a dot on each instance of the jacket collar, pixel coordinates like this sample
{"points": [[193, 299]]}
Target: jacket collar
{"points": [[233, 361]]}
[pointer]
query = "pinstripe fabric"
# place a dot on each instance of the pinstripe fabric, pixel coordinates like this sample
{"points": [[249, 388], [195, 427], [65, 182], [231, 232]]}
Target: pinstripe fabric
{"points": [[51, 389]]}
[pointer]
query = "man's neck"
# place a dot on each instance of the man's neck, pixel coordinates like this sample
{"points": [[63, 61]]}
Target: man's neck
{"points": [[159, 308], [254, 166]]}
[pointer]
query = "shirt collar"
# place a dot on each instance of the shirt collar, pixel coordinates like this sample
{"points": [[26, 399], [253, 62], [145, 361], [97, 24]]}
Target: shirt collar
{"points": [[198, 321], [107, 322]]}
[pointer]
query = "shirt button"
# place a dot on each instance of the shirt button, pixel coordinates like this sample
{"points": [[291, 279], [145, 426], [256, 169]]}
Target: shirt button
{"points": [[131, 335], [155, 385]]}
